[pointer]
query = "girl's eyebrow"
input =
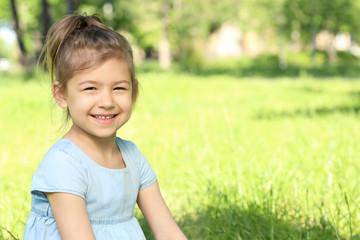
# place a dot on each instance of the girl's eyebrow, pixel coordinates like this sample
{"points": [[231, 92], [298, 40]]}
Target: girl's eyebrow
{"points": [[122, 81], [87, 81], [94, 82]]}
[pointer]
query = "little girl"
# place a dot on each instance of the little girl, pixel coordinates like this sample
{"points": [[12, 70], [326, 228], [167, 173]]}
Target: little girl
{"points": [[88, 182]]}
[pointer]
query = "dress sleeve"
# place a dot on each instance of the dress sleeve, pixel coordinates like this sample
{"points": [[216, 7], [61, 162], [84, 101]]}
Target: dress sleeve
{"points": [[147, 174], [59, 172]]}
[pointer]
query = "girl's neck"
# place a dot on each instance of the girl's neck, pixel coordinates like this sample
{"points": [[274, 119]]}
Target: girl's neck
{"points": [[99, 149]]}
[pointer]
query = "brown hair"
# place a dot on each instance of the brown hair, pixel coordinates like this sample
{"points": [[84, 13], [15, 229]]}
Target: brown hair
{"points": [[79, 42]]}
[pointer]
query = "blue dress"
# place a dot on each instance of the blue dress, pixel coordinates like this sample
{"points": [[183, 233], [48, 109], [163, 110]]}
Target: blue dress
{"points": [[110, 194]]}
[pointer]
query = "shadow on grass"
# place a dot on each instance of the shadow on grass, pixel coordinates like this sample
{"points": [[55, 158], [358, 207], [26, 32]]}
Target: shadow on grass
{"points": [[250, 222], [267, 65], [224, 214], [274, 71], [308, 113], [312, 112]]}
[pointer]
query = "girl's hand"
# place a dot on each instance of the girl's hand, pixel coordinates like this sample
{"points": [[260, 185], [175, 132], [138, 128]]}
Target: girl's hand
{"points": [[157, 214], [71, 216]]}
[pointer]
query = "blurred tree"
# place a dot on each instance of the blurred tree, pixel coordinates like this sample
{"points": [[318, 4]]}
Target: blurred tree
{"points": [[179, 29], [190, 25], [161, 27], [36, 18], [266, 19], [309, 17], [46, 17], [24, 58], [164, 44], [5, 18], [166, 28], [261, 15], [5, 12], [72, 6], [47, 22]]}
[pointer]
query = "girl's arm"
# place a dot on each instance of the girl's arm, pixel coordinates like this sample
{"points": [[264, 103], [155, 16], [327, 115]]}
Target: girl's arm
{"points": [[71, 216], [157, 214]]}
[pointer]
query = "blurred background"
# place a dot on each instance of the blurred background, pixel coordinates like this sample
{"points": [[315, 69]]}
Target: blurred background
{"points": [[248, 111], [263, 37]]}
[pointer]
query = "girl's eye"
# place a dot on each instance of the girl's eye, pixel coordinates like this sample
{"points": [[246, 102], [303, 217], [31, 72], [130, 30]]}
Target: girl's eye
{"points": [[119, 88], [90, 89]]}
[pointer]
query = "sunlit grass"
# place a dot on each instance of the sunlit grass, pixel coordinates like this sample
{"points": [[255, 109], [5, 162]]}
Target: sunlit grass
{"points": [[248, 158]]}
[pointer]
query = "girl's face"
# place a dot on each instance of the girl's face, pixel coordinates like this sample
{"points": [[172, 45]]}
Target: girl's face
{"points": [[99, 99]]}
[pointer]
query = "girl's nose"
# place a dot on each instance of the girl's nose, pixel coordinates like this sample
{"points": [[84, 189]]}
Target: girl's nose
{"points": [[106, 100]]}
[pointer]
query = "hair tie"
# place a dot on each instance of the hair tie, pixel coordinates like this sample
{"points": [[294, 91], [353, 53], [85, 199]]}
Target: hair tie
{"points": [[83, 24]]}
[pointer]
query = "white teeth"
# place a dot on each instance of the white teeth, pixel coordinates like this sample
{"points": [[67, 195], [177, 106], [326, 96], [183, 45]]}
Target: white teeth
{"points": [[103, 117]]}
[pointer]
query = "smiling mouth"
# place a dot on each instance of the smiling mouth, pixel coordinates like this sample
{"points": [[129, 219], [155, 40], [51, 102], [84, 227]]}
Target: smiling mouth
{"points": [[104, 117]]}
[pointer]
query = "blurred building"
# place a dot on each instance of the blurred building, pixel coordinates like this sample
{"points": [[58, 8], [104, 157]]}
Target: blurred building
{"points": [[229, 41]]}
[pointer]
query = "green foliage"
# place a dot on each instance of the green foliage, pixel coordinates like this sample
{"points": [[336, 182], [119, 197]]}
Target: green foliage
{"points": [[310, 17], [261, 15], [31, 24], [190, 23], [236, 158], [298, 64], [5, 12]]}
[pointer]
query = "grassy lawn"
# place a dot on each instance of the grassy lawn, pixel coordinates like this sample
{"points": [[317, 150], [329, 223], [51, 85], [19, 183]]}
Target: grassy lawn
{"points": [[236, 158]]}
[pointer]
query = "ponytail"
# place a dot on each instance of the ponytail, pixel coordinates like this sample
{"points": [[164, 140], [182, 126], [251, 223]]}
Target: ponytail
{"points": [[79, 42]]}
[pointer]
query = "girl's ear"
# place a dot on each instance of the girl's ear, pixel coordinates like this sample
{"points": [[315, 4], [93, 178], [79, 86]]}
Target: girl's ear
{"points": [[59, 95]]}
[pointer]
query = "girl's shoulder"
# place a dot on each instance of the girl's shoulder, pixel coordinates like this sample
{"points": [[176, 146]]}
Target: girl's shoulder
{"points": [[136, 160], [64, 149], [128, 148], [64, 145], [62, 169], [125, 143], [63, 157]]}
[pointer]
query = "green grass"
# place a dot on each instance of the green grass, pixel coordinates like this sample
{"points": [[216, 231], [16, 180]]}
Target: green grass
{"points": [[236, 158], [297, 64]]}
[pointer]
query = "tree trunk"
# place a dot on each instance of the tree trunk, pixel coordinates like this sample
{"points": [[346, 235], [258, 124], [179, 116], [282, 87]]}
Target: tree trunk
{"points": [[46, 18], [72, 6], [330, 49], [313, 50], [164, 45], [314, 8], [24, 57], [282, 54]]}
